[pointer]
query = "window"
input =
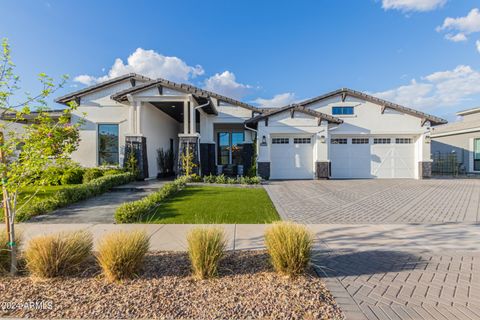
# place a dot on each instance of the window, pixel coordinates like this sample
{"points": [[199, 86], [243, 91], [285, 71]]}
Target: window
{"points": [[229, 148], [108, 144], [476, 155], [342, 110], [338, 141], [403, 140], [301, 140], [360, 141], [381, 141], [280, 140]]}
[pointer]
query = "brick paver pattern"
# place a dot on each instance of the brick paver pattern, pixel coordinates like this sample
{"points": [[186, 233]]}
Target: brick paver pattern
{"points": [[404, 285], [378, 201]]}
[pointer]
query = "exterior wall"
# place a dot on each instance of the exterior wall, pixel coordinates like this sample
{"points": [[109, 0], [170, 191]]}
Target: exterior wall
{"points": [[99, 108], [158, 128], [461, 144]]}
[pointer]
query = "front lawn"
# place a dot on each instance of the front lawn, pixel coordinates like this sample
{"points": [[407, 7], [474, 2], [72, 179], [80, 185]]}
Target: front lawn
{"points": [[210, 204]]}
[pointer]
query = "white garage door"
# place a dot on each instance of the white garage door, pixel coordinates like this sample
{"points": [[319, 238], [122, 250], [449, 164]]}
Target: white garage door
{"points": [[291, 157], [372, 157]]}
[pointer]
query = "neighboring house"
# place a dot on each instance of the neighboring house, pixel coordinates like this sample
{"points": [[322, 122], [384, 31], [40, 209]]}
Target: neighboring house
{"points": [[461, 138], [342, 134]]}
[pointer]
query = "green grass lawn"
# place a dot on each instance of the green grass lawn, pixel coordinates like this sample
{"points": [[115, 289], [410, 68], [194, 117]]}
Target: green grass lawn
{"points": [[209, 204]]}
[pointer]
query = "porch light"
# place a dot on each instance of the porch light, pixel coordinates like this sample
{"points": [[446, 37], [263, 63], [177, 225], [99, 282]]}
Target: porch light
{"points": [[322, 139], [264, 141], [428, 139]]}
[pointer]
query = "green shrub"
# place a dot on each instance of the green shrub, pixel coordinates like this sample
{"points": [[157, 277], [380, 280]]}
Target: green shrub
{"points": [[232, 180], [209, 179], [121, 254], [51, 176], [71, 195], [221, 179], [206, 247], [72, 176], [5, 250], [92, 174], [289, 246], [112, 172], [58, 254], [134, 211]]}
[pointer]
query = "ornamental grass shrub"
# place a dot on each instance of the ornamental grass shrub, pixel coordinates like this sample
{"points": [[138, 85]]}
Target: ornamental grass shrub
{"points": [[206, 247], [58, 254], [289, 246], [135, 211], [121, 254], [5, 250], [71, 195]]}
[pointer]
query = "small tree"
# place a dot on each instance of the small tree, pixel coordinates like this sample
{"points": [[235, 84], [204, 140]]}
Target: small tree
{"points": [[188, 162], [26, 150]]}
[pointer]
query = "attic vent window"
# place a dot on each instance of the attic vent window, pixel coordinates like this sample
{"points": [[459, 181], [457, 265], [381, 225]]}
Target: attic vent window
{"points": [[342, 110]]}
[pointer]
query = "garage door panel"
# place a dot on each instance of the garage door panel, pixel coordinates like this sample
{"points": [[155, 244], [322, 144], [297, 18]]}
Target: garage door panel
{"points": [[291, 161]]}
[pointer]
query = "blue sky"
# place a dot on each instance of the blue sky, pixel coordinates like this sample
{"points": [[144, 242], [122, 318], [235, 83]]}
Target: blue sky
{"points": [[420, 53]]}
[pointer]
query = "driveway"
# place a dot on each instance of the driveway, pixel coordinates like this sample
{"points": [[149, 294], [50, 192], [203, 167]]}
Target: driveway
{"points": [[377, 201], [393, 249]]}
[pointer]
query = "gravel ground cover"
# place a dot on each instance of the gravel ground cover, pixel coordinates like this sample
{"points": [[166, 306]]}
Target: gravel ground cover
{"points": [[246, 287]]}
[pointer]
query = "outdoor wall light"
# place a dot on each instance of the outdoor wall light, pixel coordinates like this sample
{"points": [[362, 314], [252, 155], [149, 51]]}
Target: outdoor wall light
{"points": [[322, 139], [264, 141], [428, 139]]}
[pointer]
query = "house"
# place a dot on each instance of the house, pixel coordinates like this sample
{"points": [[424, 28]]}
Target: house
{"points": [[462, 139], [342, 134]]}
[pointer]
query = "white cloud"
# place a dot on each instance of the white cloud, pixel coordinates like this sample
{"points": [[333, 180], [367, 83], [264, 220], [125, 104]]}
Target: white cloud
{"points": [[462, 25], [456, 37], [148, 63], [439, 89], [477, 44], [85, 79], [412, 5], [225, 83], [279, 100]]}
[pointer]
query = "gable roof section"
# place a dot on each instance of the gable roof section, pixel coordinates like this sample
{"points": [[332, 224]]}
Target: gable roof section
{"points": [[296, 108], [77, 94], [344, 92], [122, 95]]}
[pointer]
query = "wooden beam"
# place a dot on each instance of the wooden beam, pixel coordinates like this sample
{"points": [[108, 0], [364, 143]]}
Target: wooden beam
{"points": [[424, 120], [344, 96], [292, 113], [266, 122], [132, 82], [160, 90], [383, 108], [319, 121]]}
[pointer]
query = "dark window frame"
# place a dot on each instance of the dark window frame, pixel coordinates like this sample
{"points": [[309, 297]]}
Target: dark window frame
{"points": [[343, 111], [230, 147], [100, 160]]}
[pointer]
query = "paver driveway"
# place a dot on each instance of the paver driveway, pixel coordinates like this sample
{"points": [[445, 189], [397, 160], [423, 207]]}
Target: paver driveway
{"points": [[377, 201], [393, 249]]}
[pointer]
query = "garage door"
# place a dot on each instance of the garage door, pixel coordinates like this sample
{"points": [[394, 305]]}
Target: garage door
{"points": [[372, 157], [291, 157]]}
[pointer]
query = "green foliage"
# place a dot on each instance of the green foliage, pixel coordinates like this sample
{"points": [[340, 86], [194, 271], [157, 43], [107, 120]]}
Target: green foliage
{"points": [[289, 246], [222, 179], [206, 247], [72, 176], [92, 174], [113, 171], [58, 254], [71, 195], [188, 162], [121, 254], [135, 211]]}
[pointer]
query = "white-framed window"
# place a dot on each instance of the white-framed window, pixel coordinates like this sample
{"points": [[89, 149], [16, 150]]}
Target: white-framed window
{"points": [[338, 141], [382, 141], [302, 140], [280, 140], [403, 140], [360, 140]]}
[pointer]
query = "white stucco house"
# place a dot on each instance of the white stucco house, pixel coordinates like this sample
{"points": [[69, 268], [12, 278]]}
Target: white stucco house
{"points": [[341, 134]]}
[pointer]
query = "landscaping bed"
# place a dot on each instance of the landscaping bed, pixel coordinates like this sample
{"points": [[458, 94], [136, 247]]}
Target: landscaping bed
{"points": [[216, 204], [247, 287]]}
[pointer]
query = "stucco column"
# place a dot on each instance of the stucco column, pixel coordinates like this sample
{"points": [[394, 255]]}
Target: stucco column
{"points": [[139, 118], [193, 122], [131, 115], [185, 117]]}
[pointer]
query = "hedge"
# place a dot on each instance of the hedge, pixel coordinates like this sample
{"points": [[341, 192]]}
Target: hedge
{"points": [[134, 211], [73, 194]]}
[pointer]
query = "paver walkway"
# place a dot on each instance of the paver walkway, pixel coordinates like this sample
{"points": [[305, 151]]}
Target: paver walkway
{"points": [[398, 271], [100, 209], [377, 201]]}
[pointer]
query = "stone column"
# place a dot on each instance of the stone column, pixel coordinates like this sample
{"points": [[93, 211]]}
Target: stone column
{"points": [[322, 169], [137, 145], [263, 170], [424, 169]]}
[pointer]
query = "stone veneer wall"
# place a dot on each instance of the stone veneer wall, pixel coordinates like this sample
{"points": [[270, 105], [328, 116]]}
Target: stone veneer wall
{"points": [[425, 169], [322, 169], [263, 170]]}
